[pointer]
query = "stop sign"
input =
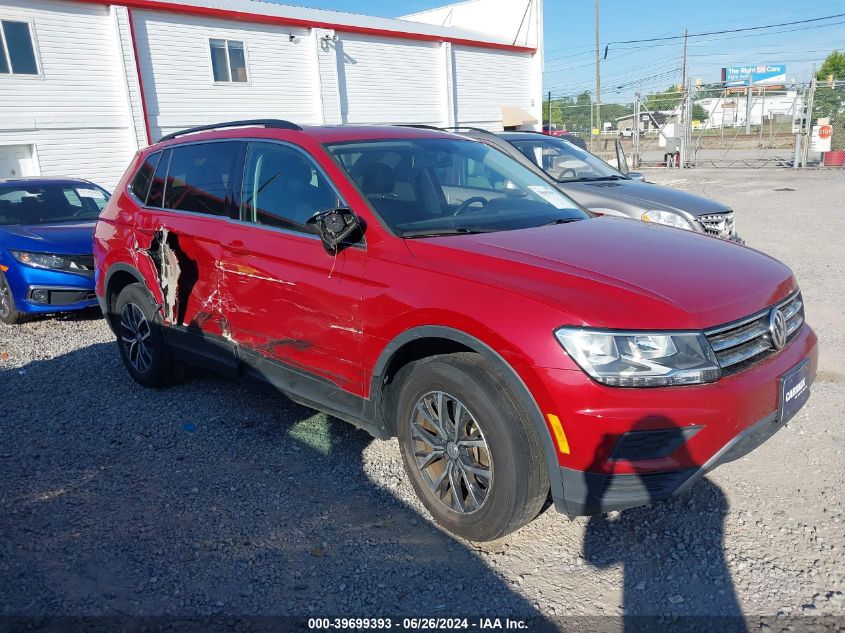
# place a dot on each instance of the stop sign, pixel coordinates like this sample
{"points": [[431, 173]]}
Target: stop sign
{"points": [[825, 131]]}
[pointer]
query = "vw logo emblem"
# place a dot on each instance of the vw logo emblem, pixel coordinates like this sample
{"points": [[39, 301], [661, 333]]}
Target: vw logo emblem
{"points": [[777, 328]]}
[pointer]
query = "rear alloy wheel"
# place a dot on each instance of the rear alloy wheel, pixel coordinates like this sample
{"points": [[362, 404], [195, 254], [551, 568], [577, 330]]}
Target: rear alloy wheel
{"points": [[135, 337], [141, 341], [471, 452], [8, 313]]}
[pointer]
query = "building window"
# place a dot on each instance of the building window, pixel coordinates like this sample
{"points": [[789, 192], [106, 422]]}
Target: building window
{"points": [[17, 52], [228, 61]]}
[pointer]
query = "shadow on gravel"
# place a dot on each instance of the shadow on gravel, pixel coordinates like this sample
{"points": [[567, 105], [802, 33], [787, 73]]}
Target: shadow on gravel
{"points": [[207, 498], [672, 554]]}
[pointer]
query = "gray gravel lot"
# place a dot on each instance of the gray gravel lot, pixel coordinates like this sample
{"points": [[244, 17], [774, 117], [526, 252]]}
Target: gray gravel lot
{"points": [[209, 498]]}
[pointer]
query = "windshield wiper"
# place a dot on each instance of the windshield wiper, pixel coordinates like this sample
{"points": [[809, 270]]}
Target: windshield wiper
{"points": [[456, 231], [594, 178], [561, 221]]}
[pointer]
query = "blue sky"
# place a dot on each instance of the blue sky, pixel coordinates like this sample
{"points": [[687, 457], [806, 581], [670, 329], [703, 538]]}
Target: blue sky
{"points": [[569, 38]]}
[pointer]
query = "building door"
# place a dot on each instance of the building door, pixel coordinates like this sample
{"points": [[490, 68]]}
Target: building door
{"points": [[17, 161]]}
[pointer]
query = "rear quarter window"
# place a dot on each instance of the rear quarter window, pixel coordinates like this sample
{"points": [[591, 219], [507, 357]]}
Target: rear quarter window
{"points": [[140, 186]]}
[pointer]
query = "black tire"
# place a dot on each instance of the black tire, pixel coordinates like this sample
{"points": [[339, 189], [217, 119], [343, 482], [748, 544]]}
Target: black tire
{"points": [[9, 314], [160, 368], [519, 482]]}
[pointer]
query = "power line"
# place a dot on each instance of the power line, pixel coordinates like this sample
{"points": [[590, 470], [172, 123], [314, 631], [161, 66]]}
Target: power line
{"points": [[742, 30]]}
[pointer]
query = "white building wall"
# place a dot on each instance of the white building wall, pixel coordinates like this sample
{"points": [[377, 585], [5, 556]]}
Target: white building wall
{"points": [[173, 52], [130, 74], [487, 80], [516, 21], [386, 80], [74, 114], [732, 110], [84, 116]]}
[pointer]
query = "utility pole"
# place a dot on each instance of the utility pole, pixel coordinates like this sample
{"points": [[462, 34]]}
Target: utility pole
{"points": [[685, 123], [598, 73], [550, 111]]}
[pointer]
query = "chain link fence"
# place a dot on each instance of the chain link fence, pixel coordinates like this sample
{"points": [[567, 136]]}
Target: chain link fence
{"points": [[709, 125]]}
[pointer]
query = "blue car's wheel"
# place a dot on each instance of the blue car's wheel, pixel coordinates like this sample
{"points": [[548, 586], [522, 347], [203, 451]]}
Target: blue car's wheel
{"points": [[8, 313]]}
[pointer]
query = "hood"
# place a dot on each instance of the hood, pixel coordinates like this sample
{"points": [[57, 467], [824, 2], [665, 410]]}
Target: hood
{"points": [[643, 195], [62, 239], [611, 272]]}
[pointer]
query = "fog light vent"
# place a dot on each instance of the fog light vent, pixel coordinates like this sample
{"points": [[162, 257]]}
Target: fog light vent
{"points": [[40, 296]]}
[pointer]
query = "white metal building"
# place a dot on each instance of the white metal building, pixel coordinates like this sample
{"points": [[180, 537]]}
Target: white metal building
{"points": [[84, 84]]}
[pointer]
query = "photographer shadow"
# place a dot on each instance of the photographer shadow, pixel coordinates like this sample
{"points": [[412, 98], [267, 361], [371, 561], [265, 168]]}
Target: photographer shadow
{"points": [[671, 552]]}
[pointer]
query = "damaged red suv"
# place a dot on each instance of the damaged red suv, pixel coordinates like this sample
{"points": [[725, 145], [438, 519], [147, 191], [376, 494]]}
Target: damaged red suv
{"points": [[427, 286]]}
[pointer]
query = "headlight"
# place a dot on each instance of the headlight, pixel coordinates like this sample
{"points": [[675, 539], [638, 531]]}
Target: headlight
{"points": [[667, 217], [641, 359], [43, 260]]}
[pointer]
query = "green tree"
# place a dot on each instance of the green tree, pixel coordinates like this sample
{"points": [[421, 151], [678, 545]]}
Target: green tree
{"points": [[699, 113], [834, 65], [668, 99]]}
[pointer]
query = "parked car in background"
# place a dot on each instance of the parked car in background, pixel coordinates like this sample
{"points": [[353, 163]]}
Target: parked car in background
{"points": [[626, 132], [551, 130], [593, 183], [423, 285], [46, 228]]}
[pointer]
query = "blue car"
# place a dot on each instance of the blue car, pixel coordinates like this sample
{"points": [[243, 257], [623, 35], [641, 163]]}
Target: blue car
{"points": [[46, 232]]}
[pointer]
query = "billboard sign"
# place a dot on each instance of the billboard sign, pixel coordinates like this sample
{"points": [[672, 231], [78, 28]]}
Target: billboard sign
{"points": [[749, 75]]}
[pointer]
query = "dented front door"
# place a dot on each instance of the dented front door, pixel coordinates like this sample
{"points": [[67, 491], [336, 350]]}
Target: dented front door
{"points": [[288, 299]]}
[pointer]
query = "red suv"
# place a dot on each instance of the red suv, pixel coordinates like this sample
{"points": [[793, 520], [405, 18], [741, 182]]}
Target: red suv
{"points": [[427, 286]]}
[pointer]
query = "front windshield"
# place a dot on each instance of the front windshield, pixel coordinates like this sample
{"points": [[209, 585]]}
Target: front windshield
{"points": [[437, 186], [22, 203], [564, 161]]}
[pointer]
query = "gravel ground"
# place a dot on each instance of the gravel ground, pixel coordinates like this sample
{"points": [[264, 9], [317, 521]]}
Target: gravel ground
{"points": [[208, 498]]}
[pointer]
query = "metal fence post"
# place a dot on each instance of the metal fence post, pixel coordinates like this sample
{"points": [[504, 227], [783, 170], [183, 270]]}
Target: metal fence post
{"points": [[635, 131], [808, 128]]}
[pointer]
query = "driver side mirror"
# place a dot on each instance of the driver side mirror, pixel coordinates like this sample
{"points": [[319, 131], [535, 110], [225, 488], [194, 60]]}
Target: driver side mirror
{"points": [[635, 175], [334, 226]]}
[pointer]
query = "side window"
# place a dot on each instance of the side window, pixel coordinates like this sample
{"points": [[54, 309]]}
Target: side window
{"points": [[17, 51], [140, 186], [156, 195], [283, 188], [199, 177], [228, 61]]}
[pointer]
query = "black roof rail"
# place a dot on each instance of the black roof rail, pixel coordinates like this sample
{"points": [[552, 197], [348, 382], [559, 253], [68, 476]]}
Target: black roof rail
{"points": [[280, 124], [469, 128], [421, 126]]}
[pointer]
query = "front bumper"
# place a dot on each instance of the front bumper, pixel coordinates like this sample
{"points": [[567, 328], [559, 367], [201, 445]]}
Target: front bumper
{"points": [[587, 493], [64, 291], [681, 432]]}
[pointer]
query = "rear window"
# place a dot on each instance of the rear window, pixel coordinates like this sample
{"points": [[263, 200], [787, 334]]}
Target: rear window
{"points": [[51, 204], [140, 186], [199, 177]]}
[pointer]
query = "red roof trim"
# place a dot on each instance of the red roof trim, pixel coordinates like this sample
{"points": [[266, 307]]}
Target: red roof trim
{"points": [[174, 7]]}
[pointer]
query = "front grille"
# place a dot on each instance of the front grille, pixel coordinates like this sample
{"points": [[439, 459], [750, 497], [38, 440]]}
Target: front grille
{"points": [[83, 264], [741, 344], [718, 224]]}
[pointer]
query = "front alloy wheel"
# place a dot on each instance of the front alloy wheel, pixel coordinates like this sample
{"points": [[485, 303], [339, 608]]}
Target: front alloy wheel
{"points": [[450, 452], [471, 451]]}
